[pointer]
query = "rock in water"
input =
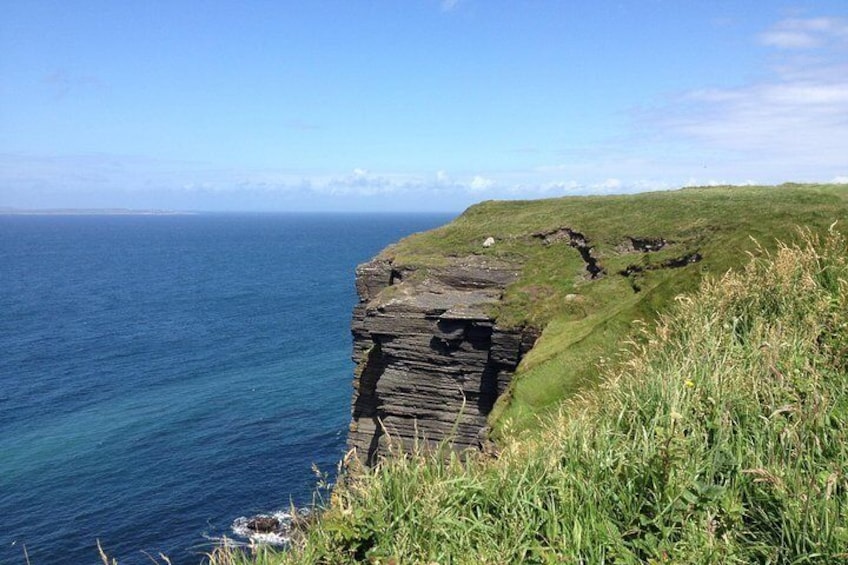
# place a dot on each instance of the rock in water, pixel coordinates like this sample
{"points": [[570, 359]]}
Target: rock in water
{"points": [[263, 524]]}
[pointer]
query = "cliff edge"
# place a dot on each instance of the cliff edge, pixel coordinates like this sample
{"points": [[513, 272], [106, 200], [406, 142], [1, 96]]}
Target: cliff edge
{"points": [[431, 358], [511, 308]]}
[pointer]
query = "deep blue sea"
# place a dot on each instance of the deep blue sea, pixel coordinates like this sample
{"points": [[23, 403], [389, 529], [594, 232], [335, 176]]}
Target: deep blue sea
{"points": [[161, 376]]}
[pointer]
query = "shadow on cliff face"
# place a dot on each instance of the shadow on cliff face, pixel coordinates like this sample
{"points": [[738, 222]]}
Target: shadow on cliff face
{"points": [[456, 335], [366, 404]]}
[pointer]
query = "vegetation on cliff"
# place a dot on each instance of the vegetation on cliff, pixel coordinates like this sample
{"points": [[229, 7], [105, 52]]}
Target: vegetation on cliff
{"points": [[649, 248], [720, 437]]}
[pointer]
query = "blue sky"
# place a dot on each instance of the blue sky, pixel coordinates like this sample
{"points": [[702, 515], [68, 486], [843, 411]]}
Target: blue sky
{"points": [[412, 104]]}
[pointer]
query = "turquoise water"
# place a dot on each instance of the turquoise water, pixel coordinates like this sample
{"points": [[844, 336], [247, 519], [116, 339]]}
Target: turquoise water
{"points": [[161, 376]]}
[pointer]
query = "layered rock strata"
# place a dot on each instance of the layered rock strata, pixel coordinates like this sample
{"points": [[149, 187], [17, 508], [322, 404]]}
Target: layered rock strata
{"points": [[431, 360]]}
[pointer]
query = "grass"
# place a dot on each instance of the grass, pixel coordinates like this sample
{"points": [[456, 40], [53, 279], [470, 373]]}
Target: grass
{"points": [[668, 425], [723, 224], [723, 438]]}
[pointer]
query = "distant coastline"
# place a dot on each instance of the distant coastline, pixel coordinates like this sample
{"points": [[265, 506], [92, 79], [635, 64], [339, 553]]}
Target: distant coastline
{"points": [[90, 212]]}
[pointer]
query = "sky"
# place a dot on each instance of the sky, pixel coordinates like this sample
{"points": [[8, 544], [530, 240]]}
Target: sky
{"points": [[412, 105]]}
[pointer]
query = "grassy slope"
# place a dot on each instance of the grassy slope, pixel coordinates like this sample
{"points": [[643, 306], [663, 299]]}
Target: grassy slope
{"points": [[718, 222], [723, 439]]}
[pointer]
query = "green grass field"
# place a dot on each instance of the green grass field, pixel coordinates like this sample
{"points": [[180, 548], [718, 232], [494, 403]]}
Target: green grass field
{"points": [[719, 436]]}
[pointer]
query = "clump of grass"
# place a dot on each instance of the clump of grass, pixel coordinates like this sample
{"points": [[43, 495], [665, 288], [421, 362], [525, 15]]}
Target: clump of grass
{"points": [[723, 439], [106, 560], [227, 554]]}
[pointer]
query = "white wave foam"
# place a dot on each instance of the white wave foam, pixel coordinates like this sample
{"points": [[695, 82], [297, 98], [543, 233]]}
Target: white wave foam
{"points": [[280, 537]]}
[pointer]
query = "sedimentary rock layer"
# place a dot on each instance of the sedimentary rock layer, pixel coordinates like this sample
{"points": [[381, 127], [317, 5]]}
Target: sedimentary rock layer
{"points": [[431, 361]]}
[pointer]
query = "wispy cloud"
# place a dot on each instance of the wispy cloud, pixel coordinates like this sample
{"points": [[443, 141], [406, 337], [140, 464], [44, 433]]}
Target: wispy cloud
{"points": [[448, 5], [805, 119], [809, 33], [298, 124], [790, 125], [480, 183], [62, 83]]}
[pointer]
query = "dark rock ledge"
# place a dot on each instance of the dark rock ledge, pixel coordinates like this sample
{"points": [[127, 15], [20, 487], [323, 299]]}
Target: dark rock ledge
{"points": [[431, 361]]}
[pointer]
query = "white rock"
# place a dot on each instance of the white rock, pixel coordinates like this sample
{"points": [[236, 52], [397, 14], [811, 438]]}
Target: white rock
{"points": [[490, 241]]}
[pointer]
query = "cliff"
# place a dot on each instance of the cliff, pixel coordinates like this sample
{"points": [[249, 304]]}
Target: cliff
{"points": [[722, 439], [511, 308], [431, 359]]}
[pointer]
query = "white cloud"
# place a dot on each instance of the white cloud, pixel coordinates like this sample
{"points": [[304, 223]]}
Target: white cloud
{"points": [[790, 39], [609, 184], [448, 5], [298, 124], [695, 181], [359, 182], [479, 184], [799, 118], [800, 33], [805, 122], [198, 186], [791, 125], [560, 186], [62, 83]]}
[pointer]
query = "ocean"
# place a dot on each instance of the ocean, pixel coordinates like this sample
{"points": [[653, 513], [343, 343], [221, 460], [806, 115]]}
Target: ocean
{"points": [[163, 375]]}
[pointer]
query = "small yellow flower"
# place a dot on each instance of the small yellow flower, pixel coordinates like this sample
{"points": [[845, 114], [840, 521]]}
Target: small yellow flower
{"points": [[689, 383]]}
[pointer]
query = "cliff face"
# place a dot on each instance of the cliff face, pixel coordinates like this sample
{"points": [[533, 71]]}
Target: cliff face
{"points": [[431, 361]]}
